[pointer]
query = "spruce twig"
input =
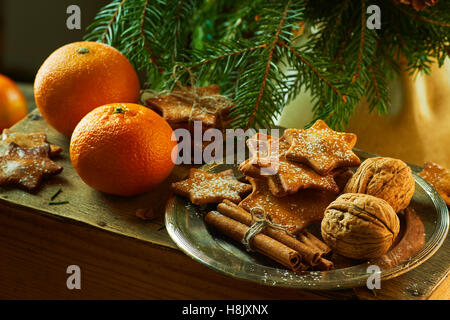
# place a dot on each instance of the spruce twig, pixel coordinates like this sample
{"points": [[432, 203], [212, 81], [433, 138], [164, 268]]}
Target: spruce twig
{"points": [[361, 45], [268, 65], [249, 49], [227, 55], [338, 22], [343, 44], [56, 203], [144, 39], [53, 197], [108, 30], [421, 18], [309, 65]]}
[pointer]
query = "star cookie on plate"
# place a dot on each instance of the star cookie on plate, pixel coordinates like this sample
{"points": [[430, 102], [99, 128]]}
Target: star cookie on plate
{"points": [[203, 104], [439, 177], [264, 150], [321, 147], [296, 211], [203, 187], [284, 177]]}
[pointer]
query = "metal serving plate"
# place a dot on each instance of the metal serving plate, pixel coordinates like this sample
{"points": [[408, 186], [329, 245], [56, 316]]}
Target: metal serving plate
{"points": [[184, 222]]}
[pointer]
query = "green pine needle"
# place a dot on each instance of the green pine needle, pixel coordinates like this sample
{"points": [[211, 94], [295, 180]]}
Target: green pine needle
{"points": [[249, 48]]}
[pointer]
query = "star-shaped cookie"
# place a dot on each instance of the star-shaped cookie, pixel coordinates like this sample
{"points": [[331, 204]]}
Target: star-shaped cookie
{"points": [[203, 104], [264, 150], [284, 177], [321, 148], [25, 168], [203, 187], [439, 177], [295, 211], [29, 141]]}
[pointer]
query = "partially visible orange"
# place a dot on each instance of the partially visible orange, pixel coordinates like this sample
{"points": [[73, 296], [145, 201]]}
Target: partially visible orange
{"points": [[79, 77], [122, 149], [13, 105]]}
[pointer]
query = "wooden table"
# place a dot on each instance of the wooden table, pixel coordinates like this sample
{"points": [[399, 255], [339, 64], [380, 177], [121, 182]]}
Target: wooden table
{"points": [[122, 256]]}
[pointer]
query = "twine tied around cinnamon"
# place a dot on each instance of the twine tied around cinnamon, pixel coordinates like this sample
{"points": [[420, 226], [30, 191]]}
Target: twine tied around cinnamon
{"points": [[260, 221]]}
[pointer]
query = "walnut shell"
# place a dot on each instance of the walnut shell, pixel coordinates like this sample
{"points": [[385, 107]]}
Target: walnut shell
{"points": [[386, 178], [359, 226]]}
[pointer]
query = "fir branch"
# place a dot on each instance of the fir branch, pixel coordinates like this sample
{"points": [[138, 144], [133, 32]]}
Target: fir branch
{"points": [[213, 64], [105, 27], [268, 64], [144, 39], [178, 18], [236, 25], [337, 23], [421, 18], [178, 24], [361, 46], [343, 44], [249, 49], [108, 30], [375, 83], [400, 38], [316, 72], [376, 90], [226, 55]]}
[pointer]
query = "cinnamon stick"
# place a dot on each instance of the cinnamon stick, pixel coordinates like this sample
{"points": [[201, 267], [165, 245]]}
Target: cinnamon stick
{"points": [[235, 212], [261, 243], [325, 264], [307, 245], [311, 240]]}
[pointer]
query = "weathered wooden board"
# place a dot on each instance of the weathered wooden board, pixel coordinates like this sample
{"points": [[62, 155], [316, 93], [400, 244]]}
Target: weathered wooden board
{"points": [[36, 250], [116, 214], [101, 217]]}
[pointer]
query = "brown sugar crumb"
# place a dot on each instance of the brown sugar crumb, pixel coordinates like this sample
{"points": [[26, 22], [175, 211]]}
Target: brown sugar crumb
{"points": [[439, 177]]}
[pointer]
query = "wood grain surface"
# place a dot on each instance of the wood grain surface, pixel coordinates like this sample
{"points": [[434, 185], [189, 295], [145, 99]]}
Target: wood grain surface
{"points": [[122, 256]]}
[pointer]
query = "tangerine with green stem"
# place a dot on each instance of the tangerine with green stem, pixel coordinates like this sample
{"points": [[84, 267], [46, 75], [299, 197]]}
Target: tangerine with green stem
{"points": [[79, 77], [123, 149]]}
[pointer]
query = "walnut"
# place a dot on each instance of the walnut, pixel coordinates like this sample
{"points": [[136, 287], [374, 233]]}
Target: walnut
{"points": [[386, 178], [359, 226]]}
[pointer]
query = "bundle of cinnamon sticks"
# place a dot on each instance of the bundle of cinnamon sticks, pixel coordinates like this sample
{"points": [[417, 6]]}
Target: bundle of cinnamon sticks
{"points": [[298, 253]]}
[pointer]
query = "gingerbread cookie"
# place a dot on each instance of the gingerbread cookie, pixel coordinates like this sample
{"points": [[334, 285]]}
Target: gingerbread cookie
{"points": [[321, 147], [203, 104], [284, 177], [29, 141], [264, 150], [25, 168], [295, 211], [439, 177], [203, 187]]}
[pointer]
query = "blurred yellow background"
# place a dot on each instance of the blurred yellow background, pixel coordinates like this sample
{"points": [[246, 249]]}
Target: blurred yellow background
{"points": [[416, 129]]}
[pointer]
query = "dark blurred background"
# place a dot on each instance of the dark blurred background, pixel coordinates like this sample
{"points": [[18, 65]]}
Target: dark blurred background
{"points": [[30, 30]]}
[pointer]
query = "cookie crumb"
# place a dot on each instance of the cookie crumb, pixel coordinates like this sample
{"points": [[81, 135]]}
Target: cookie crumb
{"points": [[146, 214]]}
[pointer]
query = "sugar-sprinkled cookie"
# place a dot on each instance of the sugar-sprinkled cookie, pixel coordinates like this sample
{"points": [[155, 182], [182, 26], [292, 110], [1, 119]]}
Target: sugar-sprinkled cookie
{"points": [[439, 177], [203, 187], [264, 149], [25, 168], [284, 177], [29, 141], [295, 211], [321, 147], [203, 104]]}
